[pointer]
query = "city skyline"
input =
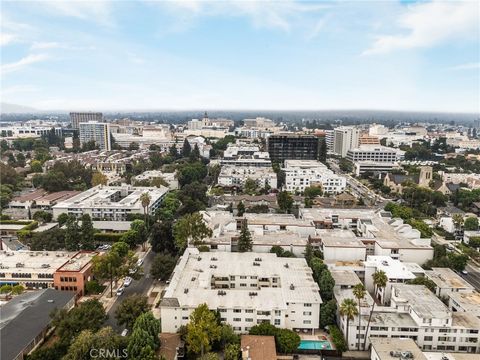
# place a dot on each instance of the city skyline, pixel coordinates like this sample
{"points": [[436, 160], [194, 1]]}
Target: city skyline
{"points": [[394, 55]]}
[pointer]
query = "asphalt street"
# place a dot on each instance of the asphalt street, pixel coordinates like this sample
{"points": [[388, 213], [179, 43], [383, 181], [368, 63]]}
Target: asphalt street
{"points": [[140, 286], [473, 276]]}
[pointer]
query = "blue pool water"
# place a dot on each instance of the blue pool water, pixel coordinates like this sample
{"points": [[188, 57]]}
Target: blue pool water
{"points": [[315, 345]]}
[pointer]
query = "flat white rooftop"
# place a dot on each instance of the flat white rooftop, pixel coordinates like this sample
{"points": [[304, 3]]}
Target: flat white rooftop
{"points": [[447, 278], [384, 346], [24, 262], [422, 301], [394, 269], [191, 283]]}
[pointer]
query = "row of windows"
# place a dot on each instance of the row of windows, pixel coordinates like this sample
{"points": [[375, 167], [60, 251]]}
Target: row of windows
{"points": [[68, 279]]}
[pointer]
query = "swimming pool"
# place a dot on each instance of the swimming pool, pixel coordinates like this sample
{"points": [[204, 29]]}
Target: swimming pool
{"points": [[315, 345]]}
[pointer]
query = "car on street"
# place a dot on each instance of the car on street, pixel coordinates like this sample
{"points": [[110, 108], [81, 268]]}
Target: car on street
{"points": [[140, 262], [124, 332], [464, 272], [127, 281], [120, 291]]}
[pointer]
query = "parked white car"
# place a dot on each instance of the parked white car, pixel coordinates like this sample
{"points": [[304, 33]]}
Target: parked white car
{"points": [[128, 281], [120, 291]]}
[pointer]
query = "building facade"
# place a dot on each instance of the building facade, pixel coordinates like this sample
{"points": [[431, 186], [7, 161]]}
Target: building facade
{"points": [[345, 138], [283, 147], [98, 132], [78, 117]]}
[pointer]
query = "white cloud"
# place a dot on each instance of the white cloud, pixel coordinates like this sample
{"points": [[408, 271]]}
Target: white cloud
{"points": [[18, 89], [45, 45], [6, 39], [467, 66], [262, 14], [27, 60], [428, 24], [98, 11]]}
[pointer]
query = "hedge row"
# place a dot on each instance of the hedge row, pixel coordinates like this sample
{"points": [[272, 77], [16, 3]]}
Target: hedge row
{"points": [[107, 237], [15, 222], [337, 338]]}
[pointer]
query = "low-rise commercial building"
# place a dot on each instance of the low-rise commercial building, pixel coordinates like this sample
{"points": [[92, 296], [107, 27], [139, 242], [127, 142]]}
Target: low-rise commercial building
{"points": [[300, 174], [149, 175], [376, 153], [111, 202], [74, 274], [26, 320], [245, 288], [242, 155]]}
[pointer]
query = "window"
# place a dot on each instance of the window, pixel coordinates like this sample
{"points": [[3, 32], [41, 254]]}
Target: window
{"points": [[248, 320], [307, 321], [308, 313], [184, 317], [237, 310], [249, 311], [243, 277], [222, 310], [237, 319], [243, 285], [278, 313], [428, 338], [277, 322], [232, 278], [307, 305]]}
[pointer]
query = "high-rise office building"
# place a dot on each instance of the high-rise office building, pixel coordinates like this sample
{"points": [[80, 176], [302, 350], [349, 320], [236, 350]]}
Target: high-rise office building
{"points": [[82, 117], [96, 131], [345, 138], [293, 147]]}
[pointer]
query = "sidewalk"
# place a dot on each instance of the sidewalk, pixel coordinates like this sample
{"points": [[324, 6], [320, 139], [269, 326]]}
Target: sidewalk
{"points": [[154, 297]]}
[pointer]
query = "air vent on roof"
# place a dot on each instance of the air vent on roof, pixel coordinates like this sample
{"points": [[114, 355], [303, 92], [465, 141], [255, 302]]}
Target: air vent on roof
{"points": [[286, 265], [222, 292], [385, 263], [199, 258], [45, 266], [253, 293], [292, 287], [185, 291], [20, 265], [213, 266], [193, 278], [214, 259], [258, 259], [256, 264]]}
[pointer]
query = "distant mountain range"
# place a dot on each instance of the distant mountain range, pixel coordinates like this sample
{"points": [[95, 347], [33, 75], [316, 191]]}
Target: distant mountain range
{"points": [[14, 108]]}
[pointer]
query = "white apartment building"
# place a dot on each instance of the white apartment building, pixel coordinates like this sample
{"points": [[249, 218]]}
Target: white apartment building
{"points": [[253, 133], [259, 122], [416, 313], [300, 174], [447, 282], [96, 131], [375, 153], [345, 138], [27, 131], [242, 155], [467, 302], [360, 167], [377, 230], [111, 202], [396, 271], [237, 176], [246, 288], [170, 178]]}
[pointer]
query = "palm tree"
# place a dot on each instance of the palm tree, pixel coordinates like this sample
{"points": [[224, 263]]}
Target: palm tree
{"points": [[359, 293], [145, 200], [380, 280], [348, 308]]}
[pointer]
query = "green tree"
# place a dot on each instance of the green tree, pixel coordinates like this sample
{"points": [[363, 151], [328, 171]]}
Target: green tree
{"points": [[232, 352], [423, 280], [285, 201], [141, 345], [172, 151], [265, 329], [287, 341], [87, 230], [161, 237], [162, 266], [130, 309], [186, 149], [245, 239], [72, 234], [42, 216], [62, 219], [380, 280], [17, 290], [192, 172], [190, 229], [169, 207], [308, 253], [89, 315], [202, 330], [328, 313], [471, 223], [250, 187], [313, 191], [105, 338], [145, 200], [326, 285], [36, 166], [99, 179], [240, 208], [359, 292], [349, 310]]}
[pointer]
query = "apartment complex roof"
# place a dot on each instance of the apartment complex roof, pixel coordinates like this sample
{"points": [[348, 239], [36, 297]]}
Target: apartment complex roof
{"points": [[447, 278], [384, 347]]}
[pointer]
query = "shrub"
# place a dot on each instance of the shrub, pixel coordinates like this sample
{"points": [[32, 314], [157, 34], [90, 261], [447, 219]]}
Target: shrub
{"points": [[107, 237], [337, 338]]}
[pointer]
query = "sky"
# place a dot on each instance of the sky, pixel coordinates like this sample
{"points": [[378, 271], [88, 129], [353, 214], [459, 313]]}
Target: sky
{"points": [[282, 55]]}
